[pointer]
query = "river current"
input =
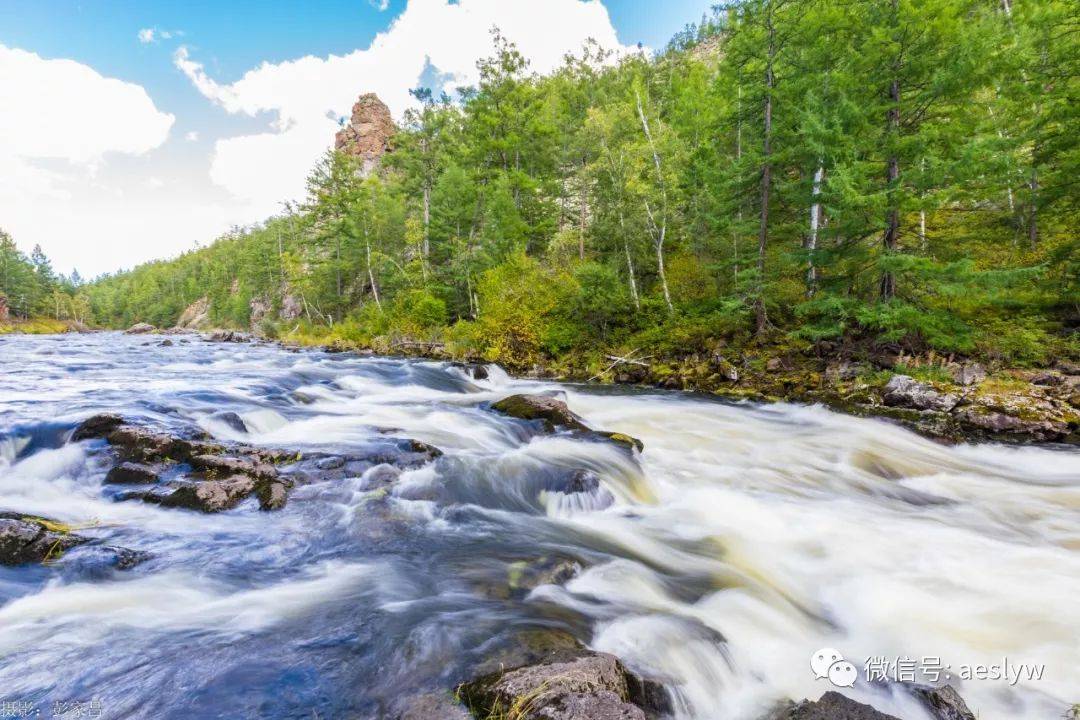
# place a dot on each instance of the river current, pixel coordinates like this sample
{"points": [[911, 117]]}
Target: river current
{"points": [[744, 538]]}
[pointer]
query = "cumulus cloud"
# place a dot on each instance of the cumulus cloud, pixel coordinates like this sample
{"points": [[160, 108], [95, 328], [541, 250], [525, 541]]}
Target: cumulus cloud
{"points": [[191, 135], [60, 121], [302, 95], [66, 110], [146, 35], [380, 5]]}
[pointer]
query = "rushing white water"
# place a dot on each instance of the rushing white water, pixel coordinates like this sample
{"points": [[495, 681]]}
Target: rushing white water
{"points": [[743, 539]]}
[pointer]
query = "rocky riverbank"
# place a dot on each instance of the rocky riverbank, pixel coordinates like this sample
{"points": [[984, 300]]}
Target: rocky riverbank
{"points": [[943, 398]]}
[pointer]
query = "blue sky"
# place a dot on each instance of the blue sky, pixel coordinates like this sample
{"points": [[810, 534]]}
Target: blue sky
{"points": [[180, 145]]}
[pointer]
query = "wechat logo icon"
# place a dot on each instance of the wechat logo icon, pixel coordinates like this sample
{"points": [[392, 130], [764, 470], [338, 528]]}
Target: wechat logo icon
{"points": [[829, 663]]}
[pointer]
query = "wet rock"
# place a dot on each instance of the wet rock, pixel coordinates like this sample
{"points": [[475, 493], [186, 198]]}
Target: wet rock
{"points": [[330, 463], [477, 371], [32, 539], [139, 443], [140, 329], [551, 411], [525, 576], [231, 419], [969, 374], [774, 364], [943, 703], [218, 466], [126, 558], [228, 336], [1006, 426], [272, 495], [97, 426], [132, 473], [210, 496], [577, 685], [627, 441], [581, 481], [906, 392], [434, 706], [831, 706]]}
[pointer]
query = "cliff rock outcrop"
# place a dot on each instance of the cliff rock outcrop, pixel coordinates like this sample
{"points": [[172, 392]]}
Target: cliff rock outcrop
{"points": [[368, 132]]}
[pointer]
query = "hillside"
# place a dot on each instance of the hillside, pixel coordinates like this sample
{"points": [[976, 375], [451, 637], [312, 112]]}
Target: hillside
{"points": [[793, 200]]}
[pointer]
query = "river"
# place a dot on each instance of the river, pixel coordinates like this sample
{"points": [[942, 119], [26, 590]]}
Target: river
{"points": [[741, 540]]}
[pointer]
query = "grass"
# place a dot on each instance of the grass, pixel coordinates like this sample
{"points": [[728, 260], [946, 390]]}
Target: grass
{"points": [[36, 326]]}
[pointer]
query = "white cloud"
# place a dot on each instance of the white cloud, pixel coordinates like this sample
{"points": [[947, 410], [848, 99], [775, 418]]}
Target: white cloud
{"points": [[191, 135], [152, 35], [380, 5], [303, 94], [60, 122], [65, 110]]}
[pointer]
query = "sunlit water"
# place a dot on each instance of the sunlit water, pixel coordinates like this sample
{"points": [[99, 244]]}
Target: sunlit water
{"points": [[744, 538]]}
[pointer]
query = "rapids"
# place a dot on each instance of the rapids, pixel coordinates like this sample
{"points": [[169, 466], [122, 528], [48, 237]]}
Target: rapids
{"points": [[743, 539]]}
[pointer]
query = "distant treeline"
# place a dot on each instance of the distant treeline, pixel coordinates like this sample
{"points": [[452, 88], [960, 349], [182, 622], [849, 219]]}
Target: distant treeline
{"points": [[29, 288], [786, 171]]}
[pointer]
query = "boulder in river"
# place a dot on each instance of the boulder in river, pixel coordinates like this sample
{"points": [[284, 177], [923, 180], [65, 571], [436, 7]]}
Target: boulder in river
{"points": [[97, 426], [554, 413], [565, 681], [140, 329], [831, 706], [32, 539]]}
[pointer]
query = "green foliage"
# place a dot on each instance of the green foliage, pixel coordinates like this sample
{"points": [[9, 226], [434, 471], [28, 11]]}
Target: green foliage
{"points": [[622, 203]]}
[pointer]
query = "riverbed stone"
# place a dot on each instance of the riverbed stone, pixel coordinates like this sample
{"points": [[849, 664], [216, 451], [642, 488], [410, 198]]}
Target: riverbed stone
{"points": [[97, 426], [434, 706], [218, 466], [140, 329], [272, 494], [32, 539], [132, 473], [552, 412], [549, 675], [830, 706], [210, 496], [943, 703]]}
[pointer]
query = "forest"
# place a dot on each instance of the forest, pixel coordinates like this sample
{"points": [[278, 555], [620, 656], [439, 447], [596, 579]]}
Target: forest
{"points": [[31, 289], [786, 173]]}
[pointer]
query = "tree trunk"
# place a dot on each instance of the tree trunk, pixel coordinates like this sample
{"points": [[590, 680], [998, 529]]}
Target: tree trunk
{"points": [[812, 238], [427, 220], [761, 319], [1033, 216], [659, 231], [629, 261], [370, 270], [892, 177]]}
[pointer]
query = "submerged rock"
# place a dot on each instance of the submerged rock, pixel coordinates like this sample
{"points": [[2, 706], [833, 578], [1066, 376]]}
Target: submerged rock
{"points": [[32, 539], [218, 465]]}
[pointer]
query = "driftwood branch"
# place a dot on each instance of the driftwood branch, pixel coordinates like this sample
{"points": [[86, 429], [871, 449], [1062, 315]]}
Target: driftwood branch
{"points": [[617, 360]]}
